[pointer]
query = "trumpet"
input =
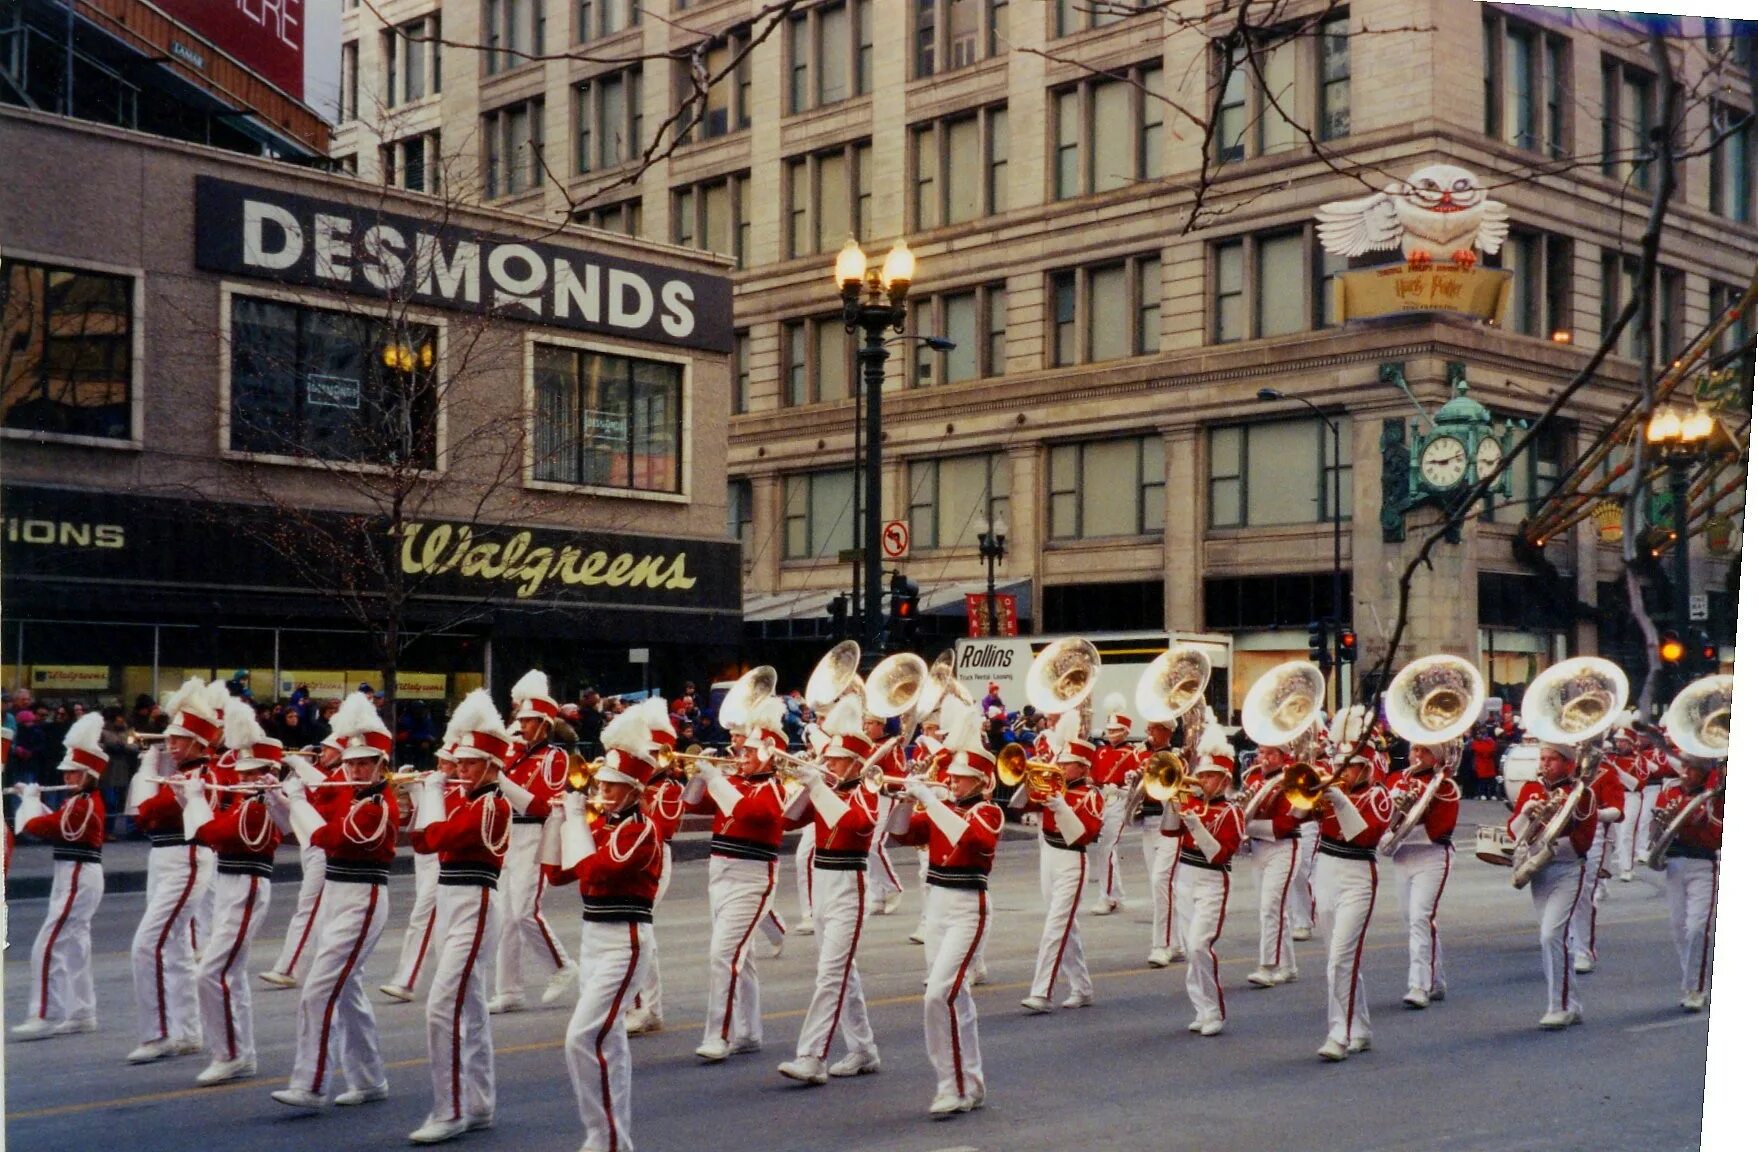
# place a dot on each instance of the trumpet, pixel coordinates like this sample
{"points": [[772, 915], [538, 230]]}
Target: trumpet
{"points": [[799, 769], [1043, 780], [874, 779], [690, 757]]}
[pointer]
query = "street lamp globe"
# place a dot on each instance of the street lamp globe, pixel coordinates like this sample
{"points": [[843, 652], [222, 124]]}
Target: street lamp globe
{"points": [[1697, 427], [899, 269], [1664, 427], [851, 266]]}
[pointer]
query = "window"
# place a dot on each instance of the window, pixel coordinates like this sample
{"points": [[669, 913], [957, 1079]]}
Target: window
{"points": [[817, 514], [1542, 266], [350, 81], [1108, 131], [624, 217], [830, 54], [66, 351], [595, 18], [1108, 488], [1723, 298], [739, 515], [1279, 472], [829, 198], [975, 320], [960, 168], [741, 372], [820, 361], [1088, 303], [1294, 81], [514, 33], [727, 107], [513, 149], [955, 498], [1525, 76], [348, 165], [1532, 475], [952, 34], [1617, 284], [1729, 42], [1730, 163], [1078, 15], [413, 163], [312, 382], [714, 215], [412, 60], [608, 421], [1270, 285], [1669, 315], [607, 121], [1628, 96]]}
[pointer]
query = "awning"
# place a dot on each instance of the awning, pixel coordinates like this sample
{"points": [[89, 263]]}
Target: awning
{"points": [[942, 599]]}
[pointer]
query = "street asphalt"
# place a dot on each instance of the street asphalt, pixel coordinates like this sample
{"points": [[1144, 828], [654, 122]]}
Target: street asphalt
{"points": [[1472, 1073]]}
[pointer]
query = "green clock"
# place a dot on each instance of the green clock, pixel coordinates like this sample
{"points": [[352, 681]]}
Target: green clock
{"points": [[1437, 461]]}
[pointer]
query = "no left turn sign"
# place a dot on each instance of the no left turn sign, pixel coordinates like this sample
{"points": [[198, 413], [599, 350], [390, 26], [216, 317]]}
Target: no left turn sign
{"points": [[894, 539]]}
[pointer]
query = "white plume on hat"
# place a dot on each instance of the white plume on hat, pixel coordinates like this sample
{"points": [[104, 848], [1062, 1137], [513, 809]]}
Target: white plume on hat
{"points": [[1115, 703], [767, 715], [356, 715], [1067, 730], [1348, 726], [533, 683], [84, 735], [628, 732], [657, 715], [242, 729], [191, 696], [1214, 743], [844, 717], [1624, 720], [218, 696], [475, 713], [961, 726]]}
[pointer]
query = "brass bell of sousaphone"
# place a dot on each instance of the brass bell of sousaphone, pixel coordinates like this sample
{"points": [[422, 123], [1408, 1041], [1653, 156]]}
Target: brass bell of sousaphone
{"points": [[1571, 703], [1431, 701], [1063, 676], [742, 698], [1284, 704], [836, 675], [1697, 721], [897, 685], [943, 682], [1173, 684]]}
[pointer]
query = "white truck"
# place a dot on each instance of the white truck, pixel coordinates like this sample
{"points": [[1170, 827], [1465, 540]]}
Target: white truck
{"points": [[1005, 661]]}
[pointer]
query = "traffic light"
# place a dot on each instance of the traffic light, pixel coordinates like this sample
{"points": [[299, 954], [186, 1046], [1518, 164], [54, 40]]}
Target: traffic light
{"points": [[1318, 643], [1345, 646], [838, 609], [1706, 652], [901, 623], [1672, 649]]}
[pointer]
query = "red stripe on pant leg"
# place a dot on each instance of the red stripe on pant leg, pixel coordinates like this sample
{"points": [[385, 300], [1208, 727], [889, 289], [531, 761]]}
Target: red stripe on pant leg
{"points": [[49, 946], [1593, 916], [1708, 927], [1282, 904], [1373, 871], [849, 963], [1214, 960], [890, 872], [1434, 936], [1171, 907], [610, 1019], [958, 983], [555, 952], [323, 1037], [811, 855], [164, 938], [1569, 933], [1067, 926], [232, 958], [421, 952], [732, 983], [458, 1006], [1635, 827], [305, 934]]}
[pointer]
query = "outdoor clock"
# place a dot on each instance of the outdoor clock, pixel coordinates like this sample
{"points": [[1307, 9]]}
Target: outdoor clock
{"points": [[1443, 464], [1439, 460]]}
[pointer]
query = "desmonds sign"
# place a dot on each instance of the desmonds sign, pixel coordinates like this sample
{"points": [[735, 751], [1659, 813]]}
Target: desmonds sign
{"points": [[293, 239]]}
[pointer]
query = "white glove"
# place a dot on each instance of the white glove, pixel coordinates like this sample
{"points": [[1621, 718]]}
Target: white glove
{"points": [[574, 805], [430, 806], [189, 788], [196, 809], [830, 806], [950, 823], [1200, 835], [305, 819], [1068, 821], [707, 770], [549, 842], [577, 843], [726, 797], [29, 808], [293, 788], [1349, 821], [917, 789], [519, 797]]}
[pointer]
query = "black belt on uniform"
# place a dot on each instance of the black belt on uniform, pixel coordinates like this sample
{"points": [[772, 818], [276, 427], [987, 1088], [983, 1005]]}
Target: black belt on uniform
{"points": [[1054, 839], [473, 875], [969, 879], [1198, 860], [1686, 852], [739, 849], [84, 853], [338, 873], [616, 909], [834, 861], [167, 839], [1344, 851], [245, 866], [528, 819]]}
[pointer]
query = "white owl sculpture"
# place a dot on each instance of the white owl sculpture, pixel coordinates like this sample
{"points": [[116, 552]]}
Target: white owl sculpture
{"points": [[1440, 209]]}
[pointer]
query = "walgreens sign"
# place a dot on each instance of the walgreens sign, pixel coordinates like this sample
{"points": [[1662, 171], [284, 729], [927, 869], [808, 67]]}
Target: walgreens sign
{"points": [[266, 36]]}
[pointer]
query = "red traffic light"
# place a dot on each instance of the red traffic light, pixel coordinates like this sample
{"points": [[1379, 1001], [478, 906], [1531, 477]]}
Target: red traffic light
{"points": [[1346, 646], [1672, 649]]}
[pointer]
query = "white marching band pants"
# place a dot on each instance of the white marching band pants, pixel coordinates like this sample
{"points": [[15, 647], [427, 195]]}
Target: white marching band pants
{"points": [[1201, 910], [803, 878], [460, 1048], [739, 894], [1345, 891], [163, 952], [1062, 874], [614, 958], [958, 920], [839, 911], [882, 879], [1422, 871], [336, 1025], [1163, 874], [1558, 893], [1586, 937], [1106, 872], [1277, 893], [1632, 848], [222, 980], [302, 930], [650, 992], [1690, 896], [1303, 901], [61, 958], [422, 933], [1643, 822], [522, 922]]}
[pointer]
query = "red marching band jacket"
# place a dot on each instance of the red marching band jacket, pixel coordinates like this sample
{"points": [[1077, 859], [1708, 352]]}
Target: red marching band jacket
{"points": [[1274, 818], [843, 848], [1630, 769], [1112, 762], [76, 829], [967, 863], [359, 840], [1583, 824], [160, 815], [753, 831], [1700, 838], [619, 879], [244, 837], [662, 801], [471, 841], [1442, 816], [1374, 805], [540, 769], [1224, 820], [1608, 790], [1087, 804]]}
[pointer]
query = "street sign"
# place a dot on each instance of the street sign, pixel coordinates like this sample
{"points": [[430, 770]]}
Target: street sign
{"points": [[849, 556], [638, 655], [976, 614], [894, 539], [1700, 606]]}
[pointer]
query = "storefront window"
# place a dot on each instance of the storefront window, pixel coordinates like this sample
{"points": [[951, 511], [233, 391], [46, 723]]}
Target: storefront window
{"points": [[608, 421], [311, 382], [66, 351]]}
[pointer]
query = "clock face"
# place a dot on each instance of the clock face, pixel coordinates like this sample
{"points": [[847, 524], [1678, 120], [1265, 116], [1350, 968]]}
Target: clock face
{"points": [[1443, 462], [1489, 456]]}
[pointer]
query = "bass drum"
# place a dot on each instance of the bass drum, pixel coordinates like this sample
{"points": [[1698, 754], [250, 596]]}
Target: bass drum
{"points": [[1495, 845]]}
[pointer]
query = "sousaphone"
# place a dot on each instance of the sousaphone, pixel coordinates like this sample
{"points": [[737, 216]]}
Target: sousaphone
{"points": [[1575, 702], [1698, 721], [1433, 701]]}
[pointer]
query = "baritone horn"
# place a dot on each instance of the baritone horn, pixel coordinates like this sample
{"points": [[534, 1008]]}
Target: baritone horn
{"points": [[1431, 701], [1574, 702], [1042, 779], [1165, 778]]}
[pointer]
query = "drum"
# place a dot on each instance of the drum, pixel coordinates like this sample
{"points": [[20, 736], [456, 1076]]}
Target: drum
{"points": [[1495, 845]]}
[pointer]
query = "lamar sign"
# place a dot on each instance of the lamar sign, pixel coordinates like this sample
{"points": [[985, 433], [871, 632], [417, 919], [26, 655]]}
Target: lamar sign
{"points": [[294, 239]]}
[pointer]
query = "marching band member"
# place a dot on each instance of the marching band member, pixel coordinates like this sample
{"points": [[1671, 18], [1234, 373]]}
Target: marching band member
{"points": [[1112, 763], [1072, 820], [1658, 773], [1561, 885], [884, 891], [163, 950], [469, 838], [618, 866], [1346, 881], [244, 835], [1160, 847], [61, 996], [662, 803], [1275, 834], [1210, 830], [1632, 772], [921, 759], [1422, 864], [1693, 870], [540, 768], [803, 846], [741, 880], [1608, 791], [844, 815], [335, 1022], [295, 958], [418, 935], [961, 833]]}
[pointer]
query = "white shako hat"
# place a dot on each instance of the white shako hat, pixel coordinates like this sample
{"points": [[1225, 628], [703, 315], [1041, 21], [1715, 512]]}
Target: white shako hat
{"points": [[964, 739], [475, 731], [628, 749], [84, 747], [254, 749], [531, 698], [360, 728], [191, 713], [843, 726]]}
